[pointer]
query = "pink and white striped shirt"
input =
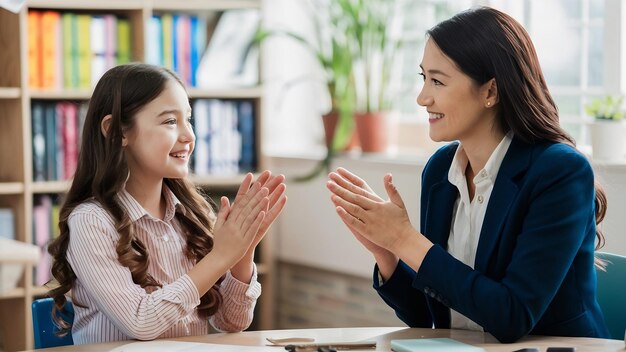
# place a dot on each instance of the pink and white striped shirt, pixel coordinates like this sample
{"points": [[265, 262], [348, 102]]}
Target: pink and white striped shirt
{"points": [[119, 309]]}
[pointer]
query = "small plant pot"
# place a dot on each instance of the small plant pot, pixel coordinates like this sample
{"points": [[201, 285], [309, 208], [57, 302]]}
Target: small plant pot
{"points": [[372, 128], [330, 121], [608, 140]]}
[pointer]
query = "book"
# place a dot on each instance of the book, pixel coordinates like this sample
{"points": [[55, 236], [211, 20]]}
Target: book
{"points": [[7, 227], [51, 50], [434, 344], [34, 50]]}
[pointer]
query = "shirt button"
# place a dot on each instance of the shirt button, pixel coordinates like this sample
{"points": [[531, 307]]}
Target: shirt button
{"points": [[481, 199], [165, 238]]}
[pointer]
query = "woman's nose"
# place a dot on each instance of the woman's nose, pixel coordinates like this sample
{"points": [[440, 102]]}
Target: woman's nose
{"points": [[423, 98]]}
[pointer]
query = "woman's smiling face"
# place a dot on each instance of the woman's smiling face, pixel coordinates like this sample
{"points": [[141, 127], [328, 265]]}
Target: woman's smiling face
{"points": [[457, 107]]}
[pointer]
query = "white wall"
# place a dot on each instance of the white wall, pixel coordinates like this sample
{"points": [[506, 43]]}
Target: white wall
{"points": [[309, 232]]}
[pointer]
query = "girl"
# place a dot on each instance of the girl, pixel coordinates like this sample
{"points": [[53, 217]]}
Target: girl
{"points": [[140, 249], [508, 213]]}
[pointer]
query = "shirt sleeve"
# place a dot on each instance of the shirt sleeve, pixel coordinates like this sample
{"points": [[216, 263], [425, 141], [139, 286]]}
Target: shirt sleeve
{"points": [[238, 301], [138, 314]]}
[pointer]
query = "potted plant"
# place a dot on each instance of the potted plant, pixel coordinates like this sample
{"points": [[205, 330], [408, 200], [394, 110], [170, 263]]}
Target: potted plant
{"points": [[607, 129], [333, 47], [373, 57]]}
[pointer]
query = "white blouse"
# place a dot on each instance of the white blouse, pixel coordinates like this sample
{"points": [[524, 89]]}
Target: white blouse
{"points": [[468, 216]]}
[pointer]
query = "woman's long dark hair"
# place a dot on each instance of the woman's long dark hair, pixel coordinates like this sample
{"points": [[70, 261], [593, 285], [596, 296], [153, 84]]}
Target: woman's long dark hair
{"points": [[101, 173], [486, 43]]}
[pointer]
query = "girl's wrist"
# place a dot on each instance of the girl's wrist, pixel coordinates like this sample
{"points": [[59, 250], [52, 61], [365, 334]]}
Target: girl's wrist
{"points": [[243, 269]]}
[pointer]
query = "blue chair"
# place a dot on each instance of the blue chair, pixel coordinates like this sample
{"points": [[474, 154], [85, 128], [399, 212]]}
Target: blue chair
{"points": [[612, 293], [44, 327]]}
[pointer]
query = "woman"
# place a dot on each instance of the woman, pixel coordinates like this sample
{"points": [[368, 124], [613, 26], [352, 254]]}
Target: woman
{"points": [[508, 213]]}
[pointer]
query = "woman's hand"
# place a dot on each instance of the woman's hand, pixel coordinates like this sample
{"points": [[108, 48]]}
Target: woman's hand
{"points": [[342, 180]]}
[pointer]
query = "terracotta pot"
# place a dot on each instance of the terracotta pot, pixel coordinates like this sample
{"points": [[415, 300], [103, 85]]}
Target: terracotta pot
{"points": [[330, 125], [372, 130]]}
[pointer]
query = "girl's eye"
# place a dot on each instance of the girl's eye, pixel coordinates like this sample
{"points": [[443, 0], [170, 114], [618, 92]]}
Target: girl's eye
{"points": [[190, 120], [170, 121], [423, 76], [436, 82]]}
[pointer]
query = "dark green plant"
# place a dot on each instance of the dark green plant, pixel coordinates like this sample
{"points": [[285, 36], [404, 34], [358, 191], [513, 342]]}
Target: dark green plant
{"points": [[606, 108]]}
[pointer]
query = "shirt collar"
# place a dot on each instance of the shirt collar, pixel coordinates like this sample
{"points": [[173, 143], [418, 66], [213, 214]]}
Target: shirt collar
{"points": [[456, 173], [136, 211]]}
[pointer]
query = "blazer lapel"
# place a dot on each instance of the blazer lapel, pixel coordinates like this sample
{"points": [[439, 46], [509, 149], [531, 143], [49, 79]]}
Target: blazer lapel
{"points": [[504, 192], [439, 213]]}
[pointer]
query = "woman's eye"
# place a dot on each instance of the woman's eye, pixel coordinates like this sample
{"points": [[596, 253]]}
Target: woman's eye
{"points": [[423, 76], [436, 82], [170, 121]]}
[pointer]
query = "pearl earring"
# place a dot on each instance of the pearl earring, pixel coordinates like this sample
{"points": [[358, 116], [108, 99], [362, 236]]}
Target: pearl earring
{"points": [[488, 103]]}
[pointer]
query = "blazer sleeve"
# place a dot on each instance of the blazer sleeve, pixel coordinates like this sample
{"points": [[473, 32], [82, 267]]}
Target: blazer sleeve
{"points": [[559, 190], [409, 303]]}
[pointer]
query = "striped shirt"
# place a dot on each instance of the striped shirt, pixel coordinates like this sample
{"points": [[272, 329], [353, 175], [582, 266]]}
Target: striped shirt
{"points": [[116, 307]]}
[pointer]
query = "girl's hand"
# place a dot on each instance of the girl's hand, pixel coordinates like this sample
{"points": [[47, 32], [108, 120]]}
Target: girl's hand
{"points": [[380, 225], [236, 226], [277, 200], [243, 269]]}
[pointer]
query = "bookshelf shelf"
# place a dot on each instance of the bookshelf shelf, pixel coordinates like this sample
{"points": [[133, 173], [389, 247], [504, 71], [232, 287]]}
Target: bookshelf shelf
{"points": [[39, 291], [23, 108], [50, 187], [11, 188], [235, 93], [68, 94], [214, 5], [86, 5], [14, 293], [10, 93]]}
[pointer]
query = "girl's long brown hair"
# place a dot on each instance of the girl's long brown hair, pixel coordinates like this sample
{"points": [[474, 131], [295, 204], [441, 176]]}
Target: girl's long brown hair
{"points": [[486, 43], [101, 173]]}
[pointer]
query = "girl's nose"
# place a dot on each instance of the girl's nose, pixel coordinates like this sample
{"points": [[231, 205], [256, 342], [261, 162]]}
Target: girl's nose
{"points": [[186, 134]]}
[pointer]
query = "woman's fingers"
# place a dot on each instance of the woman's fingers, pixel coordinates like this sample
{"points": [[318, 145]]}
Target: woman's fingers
{"points": [[362, 201], [354, 210], [352, 177], [392, 191], [345, 183]]}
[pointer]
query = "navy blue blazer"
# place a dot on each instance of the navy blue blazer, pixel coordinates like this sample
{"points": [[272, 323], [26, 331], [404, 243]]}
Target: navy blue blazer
{"points": [[534, 270]]}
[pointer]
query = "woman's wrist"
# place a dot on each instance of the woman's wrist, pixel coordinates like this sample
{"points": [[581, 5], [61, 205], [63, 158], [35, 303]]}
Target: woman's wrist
{"points": [[387, 263], [412, 249], [207, 271]]}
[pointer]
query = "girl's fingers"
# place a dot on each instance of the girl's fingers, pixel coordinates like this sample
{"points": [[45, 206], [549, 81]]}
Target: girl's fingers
{"points": [[264, 177], [252, 214], [250, 202], [244, 187], [243, 201], [222, 215], [274, 182], [277, 193]]}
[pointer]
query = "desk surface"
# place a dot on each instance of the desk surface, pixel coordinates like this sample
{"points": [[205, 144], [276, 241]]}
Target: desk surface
{"points": [[382, 336]]}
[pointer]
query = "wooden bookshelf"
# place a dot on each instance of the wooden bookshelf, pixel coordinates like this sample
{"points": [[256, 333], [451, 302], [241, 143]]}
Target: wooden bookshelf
{"points": [[17, 188]]}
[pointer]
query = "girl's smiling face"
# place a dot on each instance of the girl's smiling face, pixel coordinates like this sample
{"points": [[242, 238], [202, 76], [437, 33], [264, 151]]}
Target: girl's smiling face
{"points": [[161, 140], [458, 109]]}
